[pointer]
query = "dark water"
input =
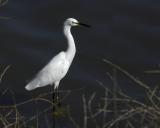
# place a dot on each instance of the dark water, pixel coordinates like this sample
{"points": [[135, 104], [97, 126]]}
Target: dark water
{"points": [[126, 33]]}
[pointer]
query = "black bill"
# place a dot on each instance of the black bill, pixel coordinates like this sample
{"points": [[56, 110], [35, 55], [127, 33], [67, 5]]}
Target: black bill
{"points": [[85, 25]]}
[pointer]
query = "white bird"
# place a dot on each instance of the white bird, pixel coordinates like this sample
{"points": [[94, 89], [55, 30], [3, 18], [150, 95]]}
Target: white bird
{"points": [[58, 66]]}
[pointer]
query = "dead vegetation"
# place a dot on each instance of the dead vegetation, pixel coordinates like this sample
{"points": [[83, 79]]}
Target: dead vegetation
{"points": [[114, 109]]}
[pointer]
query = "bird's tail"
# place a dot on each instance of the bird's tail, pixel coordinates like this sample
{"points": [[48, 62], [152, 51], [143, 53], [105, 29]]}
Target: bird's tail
{"points": [[32, 85]]}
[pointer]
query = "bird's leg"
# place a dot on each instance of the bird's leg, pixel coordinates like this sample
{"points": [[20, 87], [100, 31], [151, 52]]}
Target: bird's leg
{"points": [[57, 97], [53, 98]]}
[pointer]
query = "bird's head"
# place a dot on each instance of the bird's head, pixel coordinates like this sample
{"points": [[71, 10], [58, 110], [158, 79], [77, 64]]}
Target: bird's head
{"points": [[73, 22]]}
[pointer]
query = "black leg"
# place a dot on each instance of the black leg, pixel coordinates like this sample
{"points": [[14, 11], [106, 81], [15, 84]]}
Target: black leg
{"points": [[53, 98], [53, 106], [57, 97]]}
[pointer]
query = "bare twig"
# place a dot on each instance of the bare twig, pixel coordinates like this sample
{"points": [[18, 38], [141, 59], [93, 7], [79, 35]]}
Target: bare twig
{"points": [[90, 109], [3, 73], [3, 2], [128, 74], [105, 108], [85, 112], [72, 120]]}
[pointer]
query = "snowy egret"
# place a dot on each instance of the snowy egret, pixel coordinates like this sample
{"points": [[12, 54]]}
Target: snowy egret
{"points": [[58, 66]]}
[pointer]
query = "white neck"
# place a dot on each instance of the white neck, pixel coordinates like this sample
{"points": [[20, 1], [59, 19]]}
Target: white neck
{"points": [[71, 50]]}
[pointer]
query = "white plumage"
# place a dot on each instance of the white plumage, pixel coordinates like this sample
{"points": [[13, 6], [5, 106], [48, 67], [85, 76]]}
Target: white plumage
{"points": [[52, 73], [58, 66]]}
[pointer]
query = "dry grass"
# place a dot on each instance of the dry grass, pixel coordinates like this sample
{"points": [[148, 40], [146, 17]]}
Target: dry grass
{"points": [[3, 2], [114, 109]]}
